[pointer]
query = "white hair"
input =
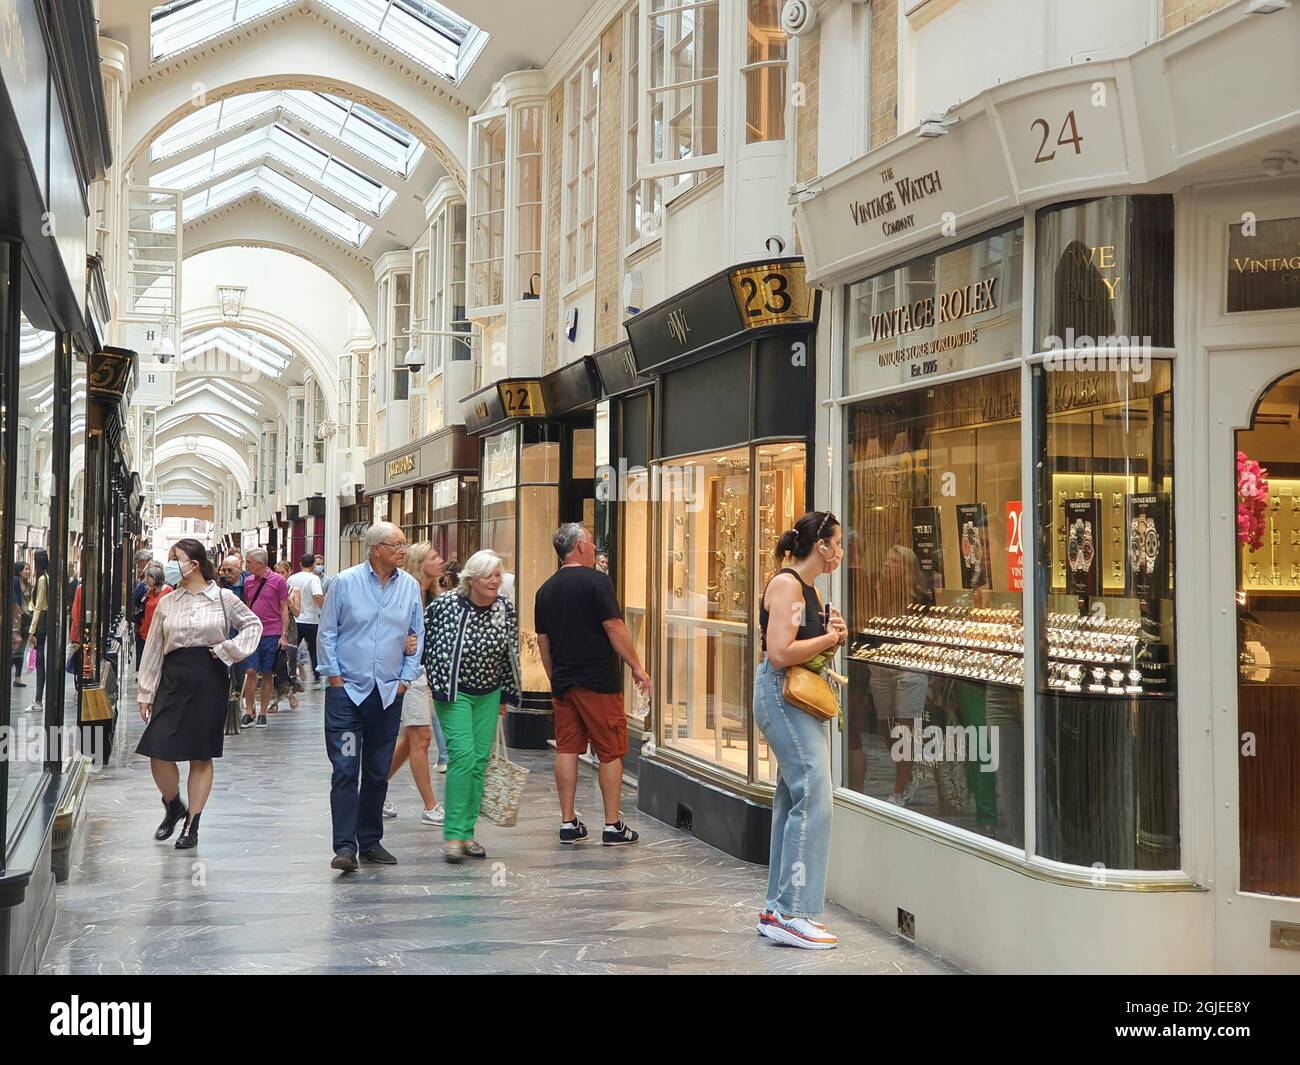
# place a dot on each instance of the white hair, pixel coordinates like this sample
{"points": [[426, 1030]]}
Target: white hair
{"points": [[256, 554], [378, 533], [480, 564]]}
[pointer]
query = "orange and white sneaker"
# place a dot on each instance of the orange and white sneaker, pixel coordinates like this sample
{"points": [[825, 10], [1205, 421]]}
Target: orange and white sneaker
{"points": [[766, 917], [797, 932]]}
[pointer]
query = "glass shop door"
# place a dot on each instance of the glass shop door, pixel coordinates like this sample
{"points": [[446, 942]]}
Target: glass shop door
{"points": [[1255, 486]]}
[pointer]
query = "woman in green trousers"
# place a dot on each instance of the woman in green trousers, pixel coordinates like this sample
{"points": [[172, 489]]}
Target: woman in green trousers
{"points": [[471, 657]]}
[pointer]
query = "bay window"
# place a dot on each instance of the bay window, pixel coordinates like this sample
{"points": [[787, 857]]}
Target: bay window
{"points": [[581, 96], [643, 198], [766, 48], [526, 241], [679, 92], [345, 402], [487, 194]]}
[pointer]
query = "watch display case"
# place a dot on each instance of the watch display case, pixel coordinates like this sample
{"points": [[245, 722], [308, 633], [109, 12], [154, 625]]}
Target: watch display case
{"points": [[1110, 656]]}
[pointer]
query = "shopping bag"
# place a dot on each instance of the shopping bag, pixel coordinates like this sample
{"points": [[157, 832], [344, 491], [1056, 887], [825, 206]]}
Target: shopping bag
{"points": [[31, 659], [503, 784]]}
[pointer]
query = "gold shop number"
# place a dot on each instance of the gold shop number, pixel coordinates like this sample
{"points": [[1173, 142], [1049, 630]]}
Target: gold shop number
{"points": [[522, 399], [772, 293]]}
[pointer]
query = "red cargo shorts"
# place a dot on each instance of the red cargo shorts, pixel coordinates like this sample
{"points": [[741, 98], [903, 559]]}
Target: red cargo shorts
{"points": [[583, 717]]}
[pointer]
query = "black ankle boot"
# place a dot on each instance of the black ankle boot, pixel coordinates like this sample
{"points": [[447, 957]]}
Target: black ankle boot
{"points": [[175, 811], [189, 836]]}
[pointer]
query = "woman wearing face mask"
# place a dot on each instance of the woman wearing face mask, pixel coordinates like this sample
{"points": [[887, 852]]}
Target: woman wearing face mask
{"points": [[156, 587], [794, 632], [184, 679]]}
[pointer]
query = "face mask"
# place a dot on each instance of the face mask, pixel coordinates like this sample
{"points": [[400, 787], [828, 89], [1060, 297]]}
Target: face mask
{"points": [[319, 571], [172, 572]]}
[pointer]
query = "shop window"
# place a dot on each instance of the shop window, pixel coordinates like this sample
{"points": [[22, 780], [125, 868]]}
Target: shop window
{"points": [[527, 236], [933, 588], [705, 586], [581, 98], [633, 561], [487, 210], [764, 71], [679, 95], [1268, 626], [1107, 715], [780, 502]]}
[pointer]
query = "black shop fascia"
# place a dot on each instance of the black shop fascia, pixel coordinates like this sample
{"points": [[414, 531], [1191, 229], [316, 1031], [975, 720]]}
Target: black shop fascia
{"points": [[731, 425], [537, 470]]}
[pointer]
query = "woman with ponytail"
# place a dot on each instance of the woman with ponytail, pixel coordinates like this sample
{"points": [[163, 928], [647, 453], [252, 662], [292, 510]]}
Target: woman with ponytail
{"points": [[795, 631]]}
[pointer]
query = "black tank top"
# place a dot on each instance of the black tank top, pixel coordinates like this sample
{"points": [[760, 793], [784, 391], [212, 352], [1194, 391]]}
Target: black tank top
{"points": [[812, 625]]}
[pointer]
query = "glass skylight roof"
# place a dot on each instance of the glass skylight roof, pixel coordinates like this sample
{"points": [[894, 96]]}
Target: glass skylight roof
{"points": [[255, 350], [424, 30], [296, 153], [353, 125], [283, 190], [250, 403]]}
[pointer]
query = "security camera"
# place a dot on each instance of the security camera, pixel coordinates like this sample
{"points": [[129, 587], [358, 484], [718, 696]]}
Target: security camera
{"points": [[414, 360]]}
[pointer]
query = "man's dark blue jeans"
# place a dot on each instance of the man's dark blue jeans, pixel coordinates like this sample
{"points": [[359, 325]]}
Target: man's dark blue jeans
{"points": [[360, 741]]}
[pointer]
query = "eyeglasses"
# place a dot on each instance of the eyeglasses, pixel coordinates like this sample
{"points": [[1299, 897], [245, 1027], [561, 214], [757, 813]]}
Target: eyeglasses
{"points": [[396, 547]]}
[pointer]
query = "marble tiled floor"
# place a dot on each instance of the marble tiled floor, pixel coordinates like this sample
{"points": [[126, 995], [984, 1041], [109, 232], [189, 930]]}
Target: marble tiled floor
{"points": [[258, 896]]}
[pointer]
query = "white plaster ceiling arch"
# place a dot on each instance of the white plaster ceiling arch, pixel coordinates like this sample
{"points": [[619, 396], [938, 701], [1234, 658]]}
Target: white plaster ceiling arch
{"points": [[242, 226], [258, 320], [211, 453]]}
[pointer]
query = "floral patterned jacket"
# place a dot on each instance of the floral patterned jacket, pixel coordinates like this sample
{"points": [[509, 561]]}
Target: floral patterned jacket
{"points": [[471, 649]]}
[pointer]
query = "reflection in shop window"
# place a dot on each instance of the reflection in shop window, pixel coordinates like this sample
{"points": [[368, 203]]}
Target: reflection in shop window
{"points": [[934, 708]]}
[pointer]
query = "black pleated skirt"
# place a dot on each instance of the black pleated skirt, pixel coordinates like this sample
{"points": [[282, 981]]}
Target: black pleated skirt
{"points": [[189, 708]]}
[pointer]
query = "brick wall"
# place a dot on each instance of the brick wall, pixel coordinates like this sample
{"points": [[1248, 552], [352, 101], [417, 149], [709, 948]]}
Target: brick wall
{"points": [[806, 112], [551, 277], [609, 189], [883, 121], [1178, 13]]}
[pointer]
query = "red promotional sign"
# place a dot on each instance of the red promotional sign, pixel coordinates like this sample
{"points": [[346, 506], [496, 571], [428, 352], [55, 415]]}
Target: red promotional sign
{"points": [[1015, 546]]}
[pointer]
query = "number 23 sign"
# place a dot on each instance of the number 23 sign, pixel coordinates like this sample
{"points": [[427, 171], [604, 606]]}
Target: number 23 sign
{"points": [[772, 293]]}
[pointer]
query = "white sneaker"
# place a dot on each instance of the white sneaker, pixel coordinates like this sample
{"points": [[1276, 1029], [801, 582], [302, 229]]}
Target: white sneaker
{"points": [[390, 810], [442, 767], [436, 816], [798, 932]]}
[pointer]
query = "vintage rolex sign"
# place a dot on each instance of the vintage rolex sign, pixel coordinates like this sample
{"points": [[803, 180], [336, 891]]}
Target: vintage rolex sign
{"points": [[1083, 547], [973, 540], [1146, 542]]}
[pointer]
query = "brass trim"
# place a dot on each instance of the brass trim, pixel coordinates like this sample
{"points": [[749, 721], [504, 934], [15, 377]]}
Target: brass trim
{"points": [[1284, 935], [1084, 878]]}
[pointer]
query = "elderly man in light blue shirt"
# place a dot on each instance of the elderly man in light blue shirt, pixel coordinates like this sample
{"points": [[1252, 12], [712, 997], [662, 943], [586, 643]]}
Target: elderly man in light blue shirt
{"points": [[369, 646]]}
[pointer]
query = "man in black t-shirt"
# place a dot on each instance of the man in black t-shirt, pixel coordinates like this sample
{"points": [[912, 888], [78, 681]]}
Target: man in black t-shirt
{"points": [[581, 637]]}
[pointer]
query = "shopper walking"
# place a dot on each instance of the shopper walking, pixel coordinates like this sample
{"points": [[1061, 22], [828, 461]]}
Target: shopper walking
{"points": [[155, 588], [581, 637], [267, 596], [21, 616], [471, 656], [420, 724], [183, 682], [794, 632], [37, 627], [364, 651], [285, 679], [307, 586]]}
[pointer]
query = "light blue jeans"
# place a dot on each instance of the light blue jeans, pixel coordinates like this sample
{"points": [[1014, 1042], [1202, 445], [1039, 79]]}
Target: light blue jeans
{"points": [[801, 807]]}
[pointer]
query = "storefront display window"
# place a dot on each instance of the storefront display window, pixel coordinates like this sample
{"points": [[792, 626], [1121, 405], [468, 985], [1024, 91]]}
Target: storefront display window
{"points": [[706, 588], [1266, 475], [933, 586], [1107, 721]]}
